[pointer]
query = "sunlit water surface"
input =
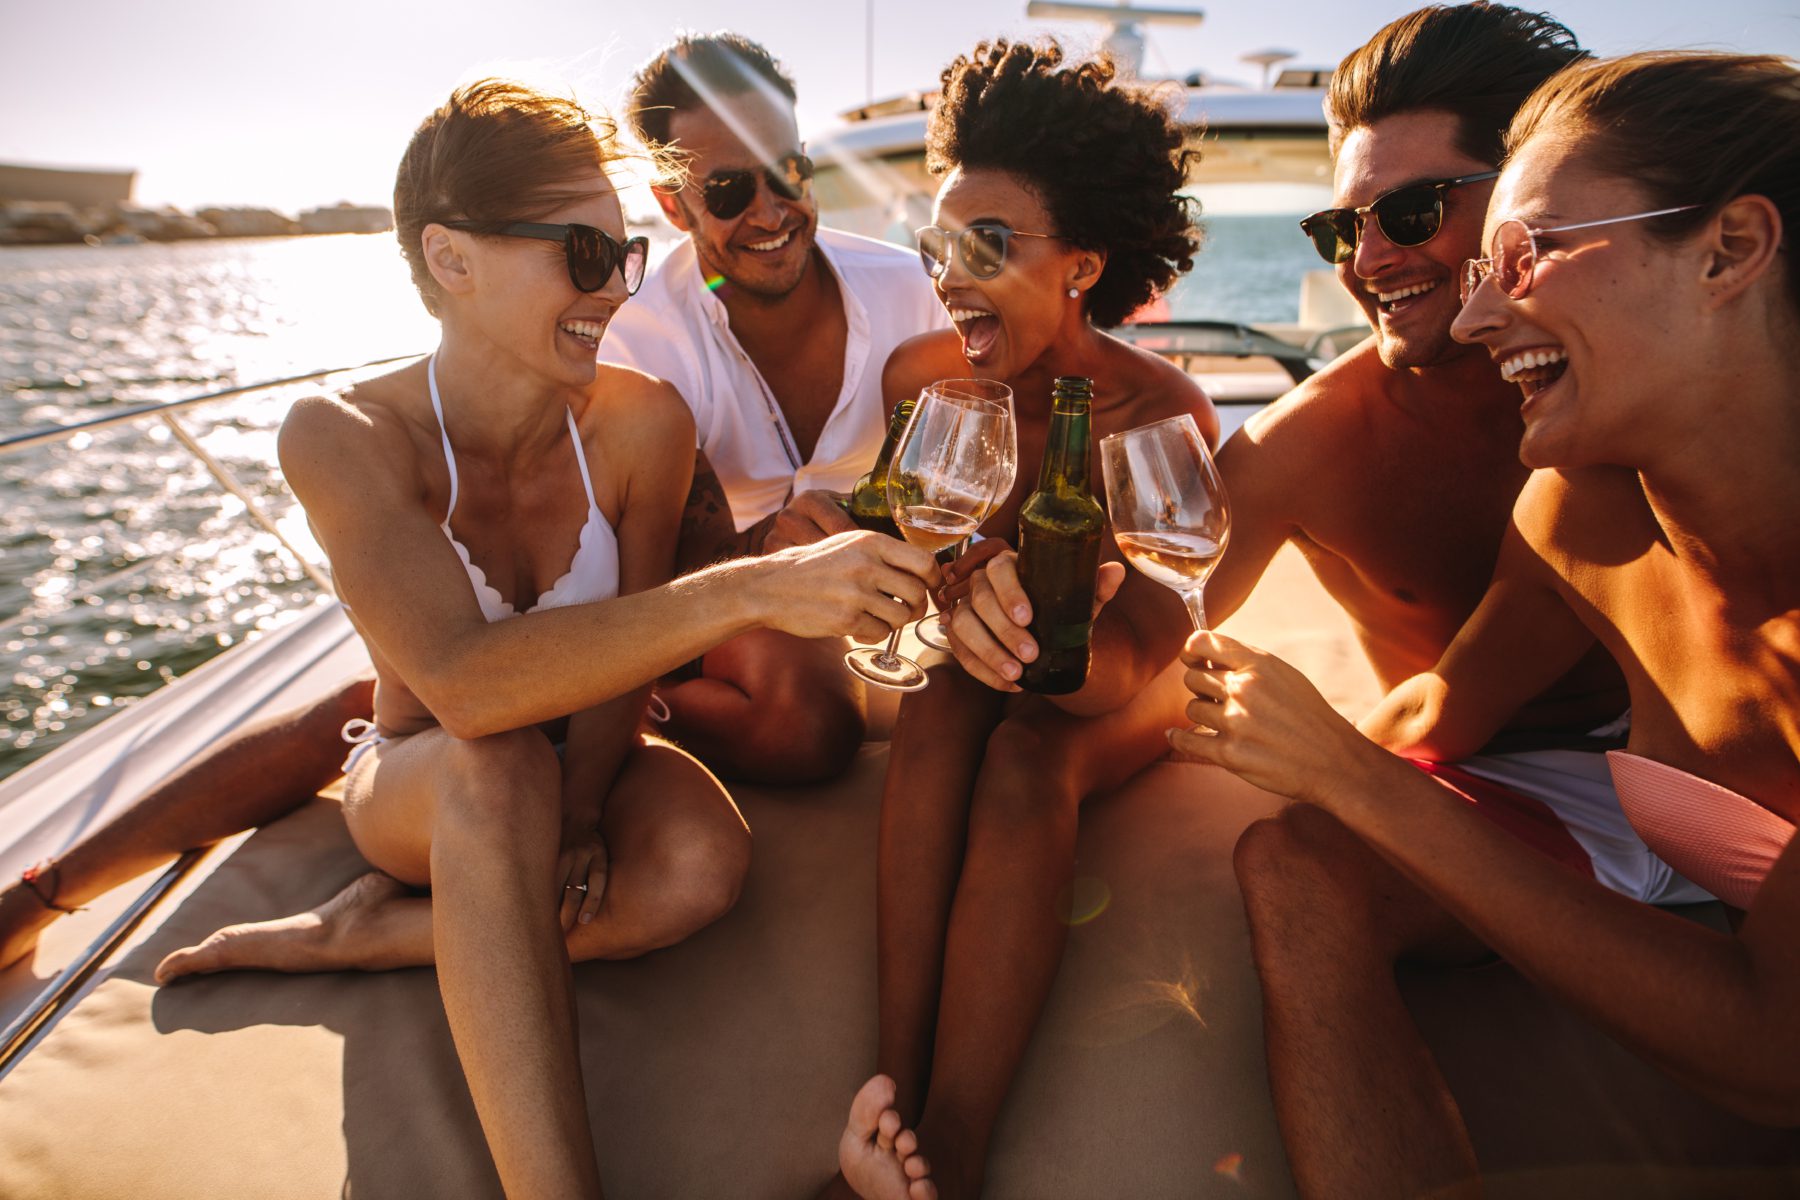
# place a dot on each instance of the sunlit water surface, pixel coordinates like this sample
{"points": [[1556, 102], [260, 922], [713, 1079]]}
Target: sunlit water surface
{"points": [[122, 562]]}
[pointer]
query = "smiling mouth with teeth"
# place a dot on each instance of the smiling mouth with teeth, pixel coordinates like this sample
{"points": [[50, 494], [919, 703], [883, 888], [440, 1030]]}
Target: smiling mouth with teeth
{"points": [[1387, 300], [1533, 370], [587, 331], [774, 243], [978, 329]]}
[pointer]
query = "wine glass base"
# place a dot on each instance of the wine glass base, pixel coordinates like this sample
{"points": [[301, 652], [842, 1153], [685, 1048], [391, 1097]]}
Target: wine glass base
{"points": [[893, 671], [930, 631]]}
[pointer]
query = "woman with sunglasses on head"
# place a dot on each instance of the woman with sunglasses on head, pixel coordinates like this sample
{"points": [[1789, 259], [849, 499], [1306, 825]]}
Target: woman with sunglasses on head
{"points": [[1641, 289], [1059, 213], [501, 521]]}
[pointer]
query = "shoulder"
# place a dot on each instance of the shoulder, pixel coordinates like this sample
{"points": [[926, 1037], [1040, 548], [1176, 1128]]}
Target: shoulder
{"points": [[333, 443], [882, 274], [921, 359], [1158, 389], [1317, 414], [636, 411], [1582, 514]]}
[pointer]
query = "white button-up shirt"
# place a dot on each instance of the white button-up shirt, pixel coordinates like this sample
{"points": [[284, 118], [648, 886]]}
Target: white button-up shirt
{"points": [[676, 329]]}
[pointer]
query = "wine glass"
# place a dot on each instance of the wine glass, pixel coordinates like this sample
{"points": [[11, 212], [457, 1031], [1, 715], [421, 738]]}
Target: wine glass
{"points": [[946, 477], [1167, 504], [930, 630]]}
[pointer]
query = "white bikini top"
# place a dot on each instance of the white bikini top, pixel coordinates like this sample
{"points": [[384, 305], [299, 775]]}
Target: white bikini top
{"points": [[593, 573]]}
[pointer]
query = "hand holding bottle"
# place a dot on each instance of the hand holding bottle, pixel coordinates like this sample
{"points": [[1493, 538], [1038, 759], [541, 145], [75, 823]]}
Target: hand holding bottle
{"points": [[809, 517], [990, 632]]}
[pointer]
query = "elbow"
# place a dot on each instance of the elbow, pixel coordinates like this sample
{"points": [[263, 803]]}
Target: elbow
{"points": [[1409, 722], [459, 699]]}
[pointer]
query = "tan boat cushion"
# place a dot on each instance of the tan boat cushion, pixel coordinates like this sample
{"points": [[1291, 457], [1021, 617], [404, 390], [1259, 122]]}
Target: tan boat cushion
{"points": [[722, 1067]]}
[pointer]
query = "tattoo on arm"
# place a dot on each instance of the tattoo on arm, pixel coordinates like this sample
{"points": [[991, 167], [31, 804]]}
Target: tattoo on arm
{"points": [[708, 532]]}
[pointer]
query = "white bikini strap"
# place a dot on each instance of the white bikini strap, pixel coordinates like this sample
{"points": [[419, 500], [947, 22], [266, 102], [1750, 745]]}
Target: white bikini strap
{"points": [[437, 406], [581, 458]]}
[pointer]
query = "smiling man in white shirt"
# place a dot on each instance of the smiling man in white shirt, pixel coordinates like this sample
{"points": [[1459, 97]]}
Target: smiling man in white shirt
{"points": [[775, 332]]}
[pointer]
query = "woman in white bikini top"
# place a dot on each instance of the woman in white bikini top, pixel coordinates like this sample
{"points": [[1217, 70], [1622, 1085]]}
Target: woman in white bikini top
{"points": [[516, 588]]}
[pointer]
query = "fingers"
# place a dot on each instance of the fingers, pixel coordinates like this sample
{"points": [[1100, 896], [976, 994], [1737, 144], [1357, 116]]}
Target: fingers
{"points": [[958, 574], [1009, 594], [988, 645], [599, 867], [809, 517], [1209, 646], [571, 873], [1107, 584]]}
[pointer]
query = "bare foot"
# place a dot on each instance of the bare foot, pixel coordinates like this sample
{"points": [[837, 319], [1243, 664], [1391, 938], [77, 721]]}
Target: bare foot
{"points": [[22, 918], [308, 941], [878, 1157]]}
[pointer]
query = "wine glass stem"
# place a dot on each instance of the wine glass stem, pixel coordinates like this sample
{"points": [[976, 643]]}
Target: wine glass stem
{"points": [[1196, 606], [889, 660]]}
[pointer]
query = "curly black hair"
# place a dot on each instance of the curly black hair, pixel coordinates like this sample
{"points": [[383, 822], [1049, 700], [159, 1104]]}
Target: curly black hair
{"points": [[1107, 160]]}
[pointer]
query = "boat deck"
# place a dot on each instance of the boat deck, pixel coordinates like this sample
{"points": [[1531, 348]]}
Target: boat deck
{"points": [[723, 1066]]}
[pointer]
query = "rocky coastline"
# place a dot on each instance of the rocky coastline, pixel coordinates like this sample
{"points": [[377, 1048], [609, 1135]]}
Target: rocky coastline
{"points": [[57, 222]]}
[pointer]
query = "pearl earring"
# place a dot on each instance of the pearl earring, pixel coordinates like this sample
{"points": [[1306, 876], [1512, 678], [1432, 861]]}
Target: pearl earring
{"points": [[1074, 293]]}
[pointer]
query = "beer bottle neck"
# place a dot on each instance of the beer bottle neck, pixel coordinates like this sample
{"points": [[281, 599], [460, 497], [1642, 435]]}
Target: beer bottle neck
{"points": [[1065, 466], [896, 427]]}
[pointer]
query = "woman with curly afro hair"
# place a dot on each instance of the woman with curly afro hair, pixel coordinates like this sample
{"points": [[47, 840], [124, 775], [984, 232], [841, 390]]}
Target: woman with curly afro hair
{"points": [[1059, 214]]}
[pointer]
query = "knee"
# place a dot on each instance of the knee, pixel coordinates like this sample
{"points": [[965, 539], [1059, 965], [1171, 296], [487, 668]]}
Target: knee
{"points": [[1027, 775], [1300, 876], [701, 865], [801, 734], [501, 786]]}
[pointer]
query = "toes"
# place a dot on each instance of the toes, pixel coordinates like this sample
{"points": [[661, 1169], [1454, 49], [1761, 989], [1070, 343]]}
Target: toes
{"points": [[921, 1189], [179, 963], [917, 1168], [906, 1144], [872, 1099], [887, 1127]]}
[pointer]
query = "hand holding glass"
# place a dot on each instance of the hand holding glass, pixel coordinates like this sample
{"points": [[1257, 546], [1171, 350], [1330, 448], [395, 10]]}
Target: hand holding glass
{"points": [[1167, 505], [955, 463], [930, 629]]}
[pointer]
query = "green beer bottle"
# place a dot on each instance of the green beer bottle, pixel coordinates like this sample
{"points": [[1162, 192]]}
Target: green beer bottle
{"points": [[868, 503], [1060, 526]]}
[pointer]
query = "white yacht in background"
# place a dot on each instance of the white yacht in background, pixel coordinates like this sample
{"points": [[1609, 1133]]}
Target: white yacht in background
{"points": [[1264, 153]]}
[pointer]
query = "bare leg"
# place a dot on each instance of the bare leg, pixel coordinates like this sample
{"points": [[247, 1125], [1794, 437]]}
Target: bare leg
{"points": [[771, 708], [258, 774], [1007, 927], [677, 849], [933, 761], [1363, 1108]]}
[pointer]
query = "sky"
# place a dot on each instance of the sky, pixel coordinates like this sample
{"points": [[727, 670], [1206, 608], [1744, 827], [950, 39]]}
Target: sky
{"points": [[238, 102]]}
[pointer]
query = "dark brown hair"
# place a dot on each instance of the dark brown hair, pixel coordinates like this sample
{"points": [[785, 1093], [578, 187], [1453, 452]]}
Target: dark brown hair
{"points": [[1685, 127], [496, 151], [694, 68], [1478, 62], [1107, 160]]}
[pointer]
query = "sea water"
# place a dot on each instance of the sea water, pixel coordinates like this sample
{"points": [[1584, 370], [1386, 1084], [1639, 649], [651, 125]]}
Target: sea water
{"points": [[123, 564]]}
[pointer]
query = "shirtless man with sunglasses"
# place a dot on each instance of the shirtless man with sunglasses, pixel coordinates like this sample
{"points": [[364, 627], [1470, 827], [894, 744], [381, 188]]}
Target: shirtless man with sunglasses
{"points": [[1394, 471], [775, 332]]}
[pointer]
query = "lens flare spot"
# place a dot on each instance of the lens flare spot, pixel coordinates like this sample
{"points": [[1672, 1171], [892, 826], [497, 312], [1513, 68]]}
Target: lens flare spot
{"points": [[1231, 1166], [1084, 899], [715, 282]]}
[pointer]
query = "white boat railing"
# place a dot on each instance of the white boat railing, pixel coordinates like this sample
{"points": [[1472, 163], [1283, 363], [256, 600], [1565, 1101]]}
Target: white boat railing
{"points": [[43, 1009]]}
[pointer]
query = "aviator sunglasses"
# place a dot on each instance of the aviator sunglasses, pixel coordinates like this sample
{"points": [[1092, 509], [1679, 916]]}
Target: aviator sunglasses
{"points": [[982, 248], [727, 194], [1516, 251], [1407, 216], [592, 254]]}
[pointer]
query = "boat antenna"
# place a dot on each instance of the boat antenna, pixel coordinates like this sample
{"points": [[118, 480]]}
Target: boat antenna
{"points": [[1124, 40], [1267, 60]]}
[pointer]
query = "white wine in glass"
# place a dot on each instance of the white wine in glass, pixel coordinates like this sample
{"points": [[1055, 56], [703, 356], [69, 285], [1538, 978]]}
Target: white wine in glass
{"points": [[929, 630], [953, 457], [1167, 505]]}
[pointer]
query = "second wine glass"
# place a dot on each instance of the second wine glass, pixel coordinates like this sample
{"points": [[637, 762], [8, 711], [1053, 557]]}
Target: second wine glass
{"points": [[1167, 505], [930, 629], [956, 461]]}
